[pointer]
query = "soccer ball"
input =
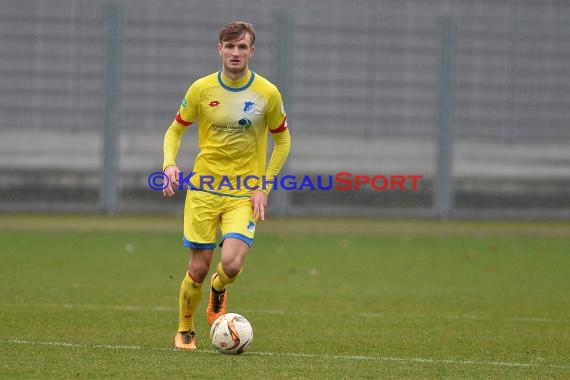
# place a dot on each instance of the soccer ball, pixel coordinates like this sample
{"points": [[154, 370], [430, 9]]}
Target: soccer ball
{"points": [[231, 334]]}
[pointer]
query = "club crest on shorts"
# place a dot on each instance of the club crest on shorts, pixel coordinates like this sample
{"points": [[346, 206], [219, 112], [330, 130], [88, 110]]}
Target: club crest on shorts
{"points": [[251, 226]]}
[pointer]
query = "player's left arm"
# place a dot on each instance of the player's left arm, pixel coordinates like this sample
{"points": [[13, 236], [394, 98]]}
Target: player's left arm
{"points": [[281, 149], [282, 138], [279, 156]]}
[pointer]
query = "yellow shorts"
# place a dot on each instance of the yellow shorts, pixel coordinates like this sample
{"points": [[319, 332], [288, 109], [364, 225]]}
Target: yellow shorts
{"points": [[204, 212]]}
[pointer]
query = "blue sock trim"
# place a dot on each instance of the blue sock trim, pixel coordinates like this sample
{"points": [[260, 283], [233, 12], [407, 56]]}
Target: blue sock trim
{"points": [[191, 244], [235, 235]]}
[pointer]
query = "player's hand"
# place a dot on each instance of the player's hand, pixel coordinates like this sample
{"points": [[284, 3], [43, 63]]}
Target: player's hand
{"points": [[258, 203], [172, 172]]}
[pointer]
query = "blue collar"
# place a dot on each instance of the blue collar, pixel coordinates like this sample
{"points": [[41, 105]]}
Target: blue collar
{"points": [[232, 88]]}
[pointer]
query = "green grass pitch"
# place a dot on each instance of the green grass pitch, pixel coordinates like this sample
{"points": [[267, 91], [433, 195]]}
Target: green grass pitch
{"points": [[94, 297]]}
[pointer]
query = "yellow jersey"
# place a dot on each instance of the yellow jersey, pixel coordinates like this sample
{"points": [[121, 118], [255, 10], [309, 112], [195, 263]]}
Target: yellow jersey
{"points": [[232, 118]]}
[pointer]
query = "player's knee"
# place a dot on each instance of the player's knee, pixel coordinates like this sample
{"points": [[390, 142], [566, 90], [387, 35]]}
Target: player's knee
{"points": [[198, 271], [234, 252], [232, 267], [197, 275]]}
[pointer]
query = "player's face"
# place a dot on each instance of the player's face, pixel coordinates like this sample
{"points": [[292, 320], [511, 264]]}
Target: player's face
{"points": [[235, 54]]}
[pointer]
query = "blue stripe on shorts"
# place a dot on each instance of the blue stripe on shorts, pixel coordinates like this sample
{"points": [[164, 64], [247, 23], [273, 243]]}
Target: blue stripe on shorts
{"points": [[191, 244], [235, 235]]}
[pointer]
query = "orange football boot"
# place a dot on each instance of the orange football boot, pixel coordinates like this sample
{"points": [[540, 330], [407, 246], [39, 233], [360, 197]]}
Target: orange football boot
{"points": [[217, 304], [185, 340]]}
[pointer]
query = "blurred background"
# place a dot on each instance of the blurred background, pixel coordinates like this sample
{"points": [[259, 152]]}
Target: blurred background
{"points": [[472, 95]]}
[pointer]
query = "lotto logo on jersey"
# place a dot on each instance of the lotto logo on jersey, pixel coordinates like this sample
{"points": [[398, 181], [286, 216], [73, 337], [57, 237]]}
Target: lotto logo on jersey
{"points": [[248, 107]]}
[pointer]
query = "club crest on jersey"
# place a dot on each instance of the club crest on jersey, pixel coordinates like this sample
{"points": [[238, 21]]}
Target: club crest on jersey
{"points": [[251, 226], [248, 107]]}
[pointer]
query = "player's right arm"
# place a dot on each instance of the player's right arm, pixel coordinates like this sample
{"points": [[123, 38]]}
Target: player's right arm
{"points": [[173, 138], [172, 141]]}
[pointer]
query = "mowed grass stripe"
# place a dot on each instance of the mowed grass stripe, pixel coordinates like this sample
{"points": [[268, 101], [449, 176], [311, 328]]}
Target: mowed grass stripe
{"points": [[295, 226], [170, 309], [300, 355]]}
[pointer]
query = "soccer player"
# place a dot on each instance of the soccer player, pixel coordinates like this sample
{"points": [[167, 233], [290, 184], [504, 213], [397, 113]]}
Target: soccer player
{"points": [[234, 110]]}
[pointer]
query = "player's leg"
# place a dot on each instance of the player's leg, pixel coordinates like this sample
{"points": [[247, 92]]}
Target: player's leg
{"points": [[238, 230], [200, 223], [227, 271], [190, 297]]}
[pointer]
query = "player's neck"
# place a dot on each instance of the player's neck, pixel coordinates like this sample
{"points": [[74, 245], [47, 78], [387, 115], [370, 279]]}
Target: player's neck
{"points": [[235, 76]]}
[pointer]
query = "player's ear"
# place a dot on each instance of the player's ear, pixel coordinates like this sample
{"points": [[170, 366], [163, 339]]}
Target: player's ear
{"points": [[220, 49], [252, 49]]}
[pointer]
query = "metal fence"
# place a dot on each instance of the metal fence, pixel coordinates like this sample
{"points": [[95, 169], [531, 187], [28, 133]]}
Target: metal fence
{"points": [[473, 96]]}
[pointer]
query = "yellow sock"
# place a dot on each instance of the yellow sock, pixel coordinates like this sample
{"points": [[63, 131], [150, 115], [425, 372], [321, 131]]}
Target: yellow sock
{"points": [[190, 296], [222, 279]]}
